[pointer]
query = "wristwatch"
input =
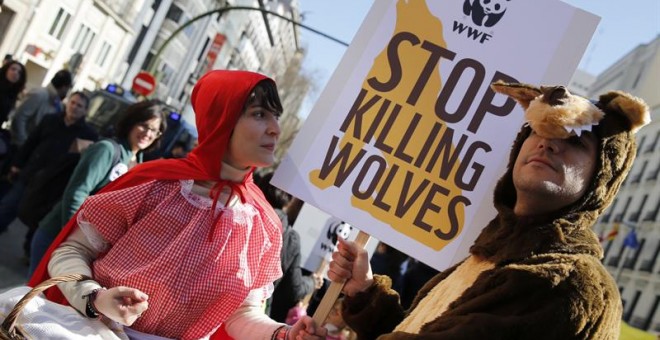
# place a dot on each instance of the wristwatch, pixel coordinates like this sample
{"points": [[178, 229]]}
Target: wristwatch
{"points": [[90, 310]]}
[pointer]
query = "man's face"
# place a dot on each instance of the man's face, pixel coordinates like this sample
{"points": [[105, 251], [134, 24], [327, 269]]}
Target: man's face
{"points": [[550, 174], [76, 108], [62, 91]]}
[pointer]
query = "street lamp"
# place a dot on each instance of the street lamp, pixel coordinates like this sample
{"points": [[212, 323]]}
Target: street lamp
{"points": [[152, 64]]}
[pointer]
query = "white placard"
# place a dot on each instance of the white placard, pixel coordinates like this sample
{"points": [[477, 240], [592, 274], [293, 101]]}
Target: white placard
{"points": [[318, 237], [407, 139]]}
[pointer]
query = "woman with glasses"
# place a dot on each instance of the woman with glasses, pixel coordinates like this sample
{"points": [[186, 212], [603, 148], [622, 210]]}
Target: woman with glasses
{"points": [[138, 130]]}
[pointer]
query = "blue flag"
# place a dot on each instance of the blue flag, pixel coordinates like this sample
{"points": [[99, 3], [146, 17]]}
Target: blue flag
{"points": [[631, 239]]}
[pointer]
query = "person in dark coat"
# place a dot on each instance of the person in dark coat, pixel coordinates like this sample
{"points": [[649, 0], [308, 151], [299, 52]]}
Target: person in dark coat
{"points": [[38, 103], [293, 286], [51, 140], [12, 83]]}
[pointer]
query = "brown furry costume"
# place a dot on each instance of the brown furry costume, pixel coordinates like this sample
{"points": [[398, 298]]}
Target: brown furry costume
{"points": [[543, 277]]}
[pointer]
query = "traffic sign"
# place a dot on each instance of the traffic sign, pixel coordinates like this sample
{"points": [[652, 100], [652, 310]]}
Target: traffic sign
{"points": [[144, 83]]}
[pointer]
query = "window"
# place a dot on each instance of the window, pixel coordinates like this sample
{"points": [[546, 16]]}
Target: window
{"points": [[654, 175], [614, 261], [167, 72], [83, 39], [651, 215], [647, 322], [606, 218], [639, 76], [641, 142], [190, 29], [174, 13], [634, 217], [619, 217], [631, 309], [59, 24], [638, 176], [103, 54], [653, 144], [648, 264], [632, 261]]}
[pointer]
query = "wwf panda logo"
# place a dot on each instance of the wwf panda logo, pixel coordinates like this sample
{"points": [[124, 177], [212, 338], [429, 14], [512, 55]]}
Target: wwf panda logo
{"points": [[485, 12], [338, 229]]}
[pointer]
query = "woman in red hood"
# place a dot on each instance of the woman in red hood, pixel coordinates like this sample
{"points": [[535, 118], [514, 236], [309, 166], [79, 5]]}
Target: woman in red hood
{"points": [[186, 248]]}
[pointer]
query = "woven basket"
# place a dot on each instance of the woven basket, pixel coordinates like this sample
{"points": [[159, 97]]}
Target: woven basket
{"points": [[8, 329]]}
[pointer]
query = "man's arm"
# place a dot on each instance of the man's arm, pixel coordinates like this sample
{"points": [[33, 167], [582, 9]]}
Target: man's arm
{"points": [[28, 109], [25, 150]]}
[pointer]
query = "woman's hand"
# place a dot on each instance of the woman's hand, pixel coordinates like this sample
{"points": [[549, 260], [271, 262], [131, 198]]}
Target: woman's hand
{"points": [[350, 263], [306, 329], [121, 304]]}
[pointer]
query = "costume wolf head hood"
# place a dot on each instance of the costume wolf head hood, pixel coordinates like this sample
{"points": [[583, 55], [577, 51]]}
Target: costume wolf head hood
{"points": [[553, 112]]}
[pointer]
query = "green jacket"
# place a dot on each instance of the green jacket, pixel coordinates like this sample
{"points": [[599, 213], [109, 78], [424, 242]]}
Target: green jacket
{"points": [[91, 174]]}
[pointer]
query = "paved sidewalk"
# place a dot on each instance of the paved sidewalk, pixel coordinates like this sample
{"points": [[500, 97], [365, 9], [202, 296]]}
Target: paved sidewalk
{"points": [[13, 267]]}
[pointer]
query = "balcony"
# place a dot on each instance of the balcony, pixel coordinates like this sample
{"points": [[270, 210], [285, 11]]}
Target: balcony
{"points": [[647, 266], [634, 217], [606, 218], [650, 216], [123, 9], [618, 217]]}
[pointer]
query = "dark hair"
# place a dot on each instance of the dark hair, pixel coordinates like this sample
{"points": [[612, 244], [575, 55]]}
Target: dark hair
{"points": [[139, 113], [13, 89], [83, 96], [265, 94], [61, 79], [277, 197]]}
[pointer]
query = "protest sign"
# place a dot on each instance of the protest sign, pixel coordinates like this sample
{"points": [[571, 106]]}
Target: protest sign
{"points": [[407, 139], [318, 233]]}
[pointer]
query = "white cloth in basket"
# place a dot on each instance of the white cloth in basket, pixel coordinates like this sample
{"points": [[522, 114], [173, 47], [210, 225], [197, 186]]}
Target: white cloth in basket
{"points": [[43, 319]]}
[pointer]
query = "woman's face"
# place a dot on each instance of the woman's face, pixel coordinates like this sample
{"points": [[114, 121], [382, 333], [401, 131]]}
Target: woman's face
{"points": [[143, 134], [14, 73], [252, 143]]}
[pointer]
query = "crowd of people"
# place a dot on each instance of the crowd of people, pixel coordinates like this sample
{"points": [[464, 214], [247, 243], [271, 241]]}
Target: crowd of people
{"points": [[202, 246]]}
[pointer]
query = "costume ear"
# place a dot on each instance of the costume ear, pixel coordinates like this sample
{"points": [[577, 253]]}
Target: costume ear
{"points": [[629, 106], [522, 93]]}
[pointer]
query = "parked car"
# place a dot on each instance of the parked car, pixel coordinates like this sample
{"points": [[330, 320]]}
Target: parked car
{"points": [[106, 105]]}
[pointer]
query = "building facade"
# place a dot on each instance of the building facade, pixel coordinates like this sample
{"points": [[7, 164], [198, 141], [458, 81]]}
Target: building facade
{"points": [[89, 37], [637, 206], [581, 82], [110, 41]]}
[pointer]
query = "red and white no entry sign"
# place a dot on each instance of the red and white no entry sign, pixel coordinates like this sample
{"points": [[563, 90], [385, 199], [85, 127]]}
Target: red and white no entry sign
{"points": [[144, 83]]}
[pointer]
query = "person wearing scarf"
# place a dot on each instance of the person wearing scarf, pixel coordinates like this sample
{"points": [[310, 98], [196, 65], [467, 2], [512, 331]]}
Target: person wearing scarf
{"points": [[186, 248]]}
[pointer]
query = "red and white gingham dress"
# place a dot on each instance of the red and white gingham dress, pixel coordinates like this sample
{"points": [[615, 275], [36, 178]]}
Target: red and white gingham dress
{"points": [[165, 244]]}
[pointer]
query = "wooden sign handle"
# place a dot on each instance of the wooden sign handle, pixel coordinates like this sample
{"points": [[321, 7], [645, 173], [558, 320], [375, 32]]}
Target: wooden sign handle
{"points": [[331, 295]]}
